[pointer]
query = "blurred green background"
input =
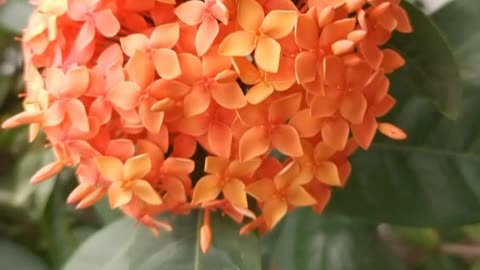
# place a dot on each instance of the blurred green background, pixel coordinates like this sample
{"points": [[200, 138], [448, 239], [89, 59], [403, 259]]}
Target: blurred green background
{"points": [[38, 230]]}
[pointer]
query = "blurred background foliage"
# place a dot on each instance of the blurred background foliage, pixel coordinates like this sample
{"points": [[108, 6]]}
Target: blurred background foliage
{"points": [[39, 231]]}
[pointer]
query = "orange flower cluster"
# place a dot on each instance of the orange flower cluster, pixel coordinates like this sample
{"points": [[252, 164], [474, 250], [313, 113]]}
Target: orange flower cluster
{"points": [[270, 96]]}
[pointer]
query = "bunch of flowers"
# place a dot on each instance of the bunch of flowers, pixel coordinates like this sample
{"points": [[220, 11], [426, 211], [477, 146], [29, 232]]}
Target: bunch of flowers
{"points": [[248, 107]]}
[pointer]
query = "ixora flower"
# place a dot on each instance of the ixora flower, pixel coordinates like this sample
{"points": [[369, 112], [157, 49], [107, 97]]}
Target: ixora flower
{"points": [[272, 96]]}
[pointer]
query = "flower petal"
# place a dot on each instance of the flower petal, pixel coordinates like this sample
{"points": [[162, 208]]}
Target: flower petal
{"points": [[262, 190], [278, 23], [253, 143], [250, 15], [143, 190], [392, 131], [110, 168], [220, 139], [259, 92], [191, 12], [150, 119], [120, 148], [306, 67], [353, 107], [165, 36], [47, 172], [197, 101], [124, 95], [286, 139], [245, 69], [206, 34], [137, 167], [306, 126], [78, 115], [134, 42], [273, 211], [365, 132], [335, 133], [140, 69], [207, 189], [106, 23], [298, 196], [234, 192], [324, 106], [306, 32], [327, 173], [240, 43], [118, 196], [229, 96], [76, 82], [284, 108], [267, 54]]}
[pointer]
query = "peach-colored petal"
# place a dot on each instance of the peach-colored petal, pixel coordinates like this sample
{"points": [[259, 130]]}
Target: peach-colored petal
{"points": [[284, 108], [229, 96], [22, 119], [207, 189], [306, 32], [191, 12], [274, 210], [110, 168], [197, 101], [145, 192], [250, 15], [106, 23], [342, 47], [298, 196], [246, 70], [334, 71], [78, 115], [47, 172], [165, 36], [305, 67], [206, 34], [118, 196], [140, 69], [259, 92], [55, 114], [191, 67], [278, 23], [240, 43], [86, 36], [134, 42], [137, 167], [80, 192], [286, 139], [335, 133], [150, 119], [267, 54], [178, 166], [125, 95], [234, 192], [120, 148], [262, 190], [76, 82], [205, 237], [220, 139], [216, 165], [195, 125], [245, 169], [254, 143], [305, 125], [166, 63]]}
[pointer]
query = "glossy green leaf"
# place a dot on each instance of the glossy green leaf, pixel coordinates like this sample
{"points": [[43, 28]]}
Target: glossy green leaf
{"points": [[120, 246], [310, 242], [15, 257], [14, 15], [431, 69], [432, 178], [460, 21]]}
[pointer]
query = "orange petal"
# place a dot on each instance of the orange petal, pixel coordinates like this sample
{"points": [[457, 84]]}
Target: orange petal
{"points": [[76, 82], [392, 60], [165, 36], [343, 46], [247, 72], [327, 173], [325, 106], [184, 146], [120, 148], [191, 12], [22, 119], [250, 15], [151, 120], [306, 126], [383, 107], [178, 166], [85, 36], [284, 108], [335, 133], [80, 192], [306, 32], [353, 107], [191, 67], [91, 198], [365, 132], [278, 23], [298, 196], [229, 96], [166, 63], [305, 67], [220, 139], [124, 95], [234, 192], [267, 54], [273, 211], [207, 189], [206, 34], [253, 143], [205, 233], [286, 139], [259, 92], [245, 169], [262, 190], [145, 192], [335, 31], [118, 196], [240, 43], [78, 115], [137, 167], [106, 23], [372, 54], [216, 165], [323, 151], [194, 126], [403, 22], [197, 101], [334, 71], [392, 131], [110, 168]]}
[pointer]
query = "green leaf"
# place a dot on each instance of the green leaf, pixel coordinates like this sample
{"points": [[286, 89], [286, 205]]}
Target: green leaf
{"points": [[429, 179], [14, 15], [459, 20], [310, 242], [431, 69], [15, 257], [106, 214], [120, 246]]}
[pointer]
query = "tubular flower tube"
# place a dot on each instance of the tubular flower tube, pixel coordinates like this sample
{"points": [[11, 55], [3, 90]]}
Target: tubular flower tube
{"points": [[138, 96]]}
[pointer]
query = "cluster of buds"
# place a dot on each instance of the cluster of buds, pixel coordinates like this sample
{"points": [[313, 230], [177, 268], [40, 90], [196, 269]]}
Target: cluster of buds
{"points": [[248, 107]]}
